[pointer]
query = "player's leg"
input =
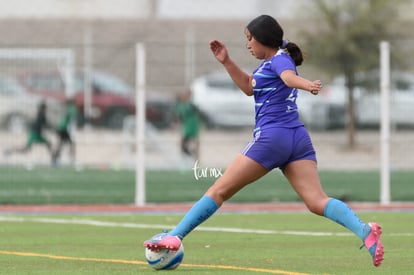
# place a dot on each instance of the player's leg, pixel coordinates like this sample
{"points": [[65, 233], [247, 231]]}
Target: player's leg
{"points": [[61, 140], [240, 173], [185, 145], [72, 149], [196, 147], [43, 140], [304, 178], [31, 139], [193, 147]]}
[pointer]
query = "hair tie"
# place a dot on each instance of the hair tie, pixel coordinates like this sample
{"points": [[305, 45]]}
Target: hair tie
{"points": [[284, 44]]}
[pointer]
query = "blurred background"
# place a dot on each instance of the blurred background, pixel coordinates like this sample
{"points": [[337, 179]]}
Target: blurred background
{"points": [[84, 51]]}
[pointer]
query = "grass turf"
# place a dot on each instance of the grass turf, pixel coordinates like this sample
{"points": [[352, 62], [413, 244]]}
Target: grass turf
{"points": [[44, 185], [77, 245]]}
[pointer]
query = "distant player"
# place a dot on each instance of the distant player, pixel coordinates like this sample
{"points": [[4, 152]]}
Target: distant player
{"points": [[188, 116], [35, 133], [63, 131], [280, 139]]}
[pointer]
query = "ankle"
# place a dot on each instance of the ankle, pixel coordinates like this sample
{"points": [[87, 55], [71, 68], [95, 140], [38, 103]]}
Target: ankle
{"points": [[366, 231]]}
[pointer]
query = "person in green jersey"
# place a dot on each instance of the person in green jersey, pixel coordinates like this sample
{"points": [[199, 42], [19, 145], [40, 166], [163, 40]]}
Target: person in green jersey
{"points": [[188, 116], [63, 131], [35, 133]]}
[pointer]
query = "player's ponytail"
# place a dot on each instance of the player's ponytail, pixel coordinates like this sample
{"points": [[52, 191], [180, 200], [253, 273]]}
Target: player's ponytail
{"points": [[294, 51]]}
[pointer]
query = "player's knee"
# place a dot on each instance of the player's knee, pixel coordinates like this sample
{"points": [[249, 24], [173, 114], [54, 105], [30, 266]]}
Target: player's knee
{"points": [[219, 195], [315, 207]]}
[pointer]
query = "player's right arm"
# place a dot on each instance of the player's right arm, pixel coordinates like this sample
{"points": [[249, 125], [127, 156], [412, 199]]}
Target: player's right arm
{"points": [[239, 77]]}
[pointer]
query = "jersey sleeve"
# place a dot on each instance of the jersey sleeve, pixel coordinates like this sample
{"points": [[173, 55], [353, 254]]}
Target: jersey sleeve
{"points": [[282, 62]]}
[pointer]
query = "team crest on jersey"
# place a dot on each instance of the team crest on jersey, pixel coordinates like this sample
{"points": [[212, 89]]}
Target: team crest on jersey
{"points": [[253, 82]]}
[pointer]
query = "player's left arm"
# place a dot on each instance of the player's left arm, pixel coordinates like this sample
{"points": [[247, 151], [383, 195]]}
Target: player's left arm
{"points": [[292, 80], [239, 77]]}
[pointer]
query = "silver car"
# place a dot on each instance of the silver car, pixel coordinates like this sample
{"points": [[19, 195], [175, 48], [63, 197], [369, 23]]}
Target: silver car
{"points": [[221, 103], [329, 108], [401, 101]]}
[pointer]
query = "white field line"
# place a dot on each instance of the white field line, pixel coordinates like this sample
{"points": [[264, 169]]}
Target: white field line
{"points": [[159, 226]]}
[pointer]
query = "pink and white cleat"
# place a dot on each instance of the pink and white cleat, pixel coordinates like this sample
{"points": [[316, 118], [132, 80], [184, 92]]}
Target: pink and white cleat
{"points": [[163, 240], [373, 243]]}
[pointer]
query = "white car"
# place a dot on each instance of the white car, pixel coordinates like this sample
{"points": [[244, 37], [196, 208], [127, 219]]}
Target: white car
{"points": [[18, 107], [401, 101], [333, 99], [327, 110], [221, 103]]}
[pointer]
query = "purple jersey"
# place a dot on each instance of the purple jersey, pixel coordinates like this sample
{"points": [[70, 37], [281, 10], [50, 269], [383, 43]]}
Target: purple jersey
{"points": [[275, 102], [279, 136]]}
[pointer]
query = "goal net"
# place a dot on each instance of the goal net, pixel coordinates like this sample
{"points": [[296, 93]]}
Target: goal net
{"points": [[25, 82]]}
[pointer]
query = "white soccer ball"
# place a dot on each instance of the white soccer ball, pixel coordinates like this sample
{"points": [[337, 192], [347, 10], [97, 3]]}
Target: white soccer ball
{"points": [[164, 258]]}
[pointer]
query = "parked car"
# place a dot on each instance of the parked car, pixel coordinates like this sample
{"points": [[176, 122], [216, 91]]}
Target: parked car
{"points": [[19, 107], [328, 110], [221, 103], [112, 98], [160, 109], [401, 100]]}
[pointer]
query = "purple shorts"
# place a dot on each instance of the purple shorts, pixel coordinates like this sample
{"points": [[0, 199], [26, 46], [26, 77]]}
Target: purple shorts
{"points": [[276, 147]]}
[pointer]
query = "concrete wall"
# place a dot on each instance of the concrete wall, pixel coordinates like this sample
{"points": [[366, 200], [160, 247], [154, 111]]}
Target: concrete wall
{"points": [[76, 9], [139, 9]]}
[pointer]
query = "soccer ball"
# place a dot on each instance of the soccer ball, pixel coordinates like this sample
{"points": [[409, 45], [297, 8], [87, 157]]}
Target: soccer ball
{"points": [[164, 258]]}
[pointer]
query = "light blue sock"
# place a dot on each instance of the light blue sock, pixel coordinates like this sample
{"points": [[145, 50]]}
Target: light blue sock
{"points": [[201, 211], [339, 212]]}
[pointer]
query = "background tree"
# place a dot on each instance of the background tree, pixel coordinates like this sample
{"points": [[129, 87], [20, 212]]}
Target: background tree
{"points": [[347, 38]]}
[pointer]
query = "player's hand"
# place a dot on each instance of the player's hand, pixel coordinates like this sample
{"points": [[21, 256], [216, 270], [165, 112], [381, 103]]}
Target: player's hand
{"points": [[219, 51], [315, 87]]}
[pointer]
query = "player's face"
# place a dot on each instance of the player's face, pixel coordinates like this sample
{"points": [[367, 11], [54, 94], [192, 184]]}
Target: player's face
{"points": [[254, 46]]}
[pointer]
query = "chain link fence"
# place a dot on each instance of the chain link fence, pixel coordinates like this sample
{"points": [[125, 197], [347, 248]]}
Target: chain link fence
{"points": [[177, 53]]}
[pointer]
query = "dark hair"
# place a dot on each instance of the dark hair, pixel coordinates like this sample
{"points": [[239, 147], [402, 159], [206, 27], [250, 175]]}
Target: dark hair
{"points": [[268, 32]]}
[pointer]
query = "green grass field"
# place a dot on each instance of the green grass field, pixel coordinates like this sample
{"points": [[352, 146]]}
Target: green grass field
{"points": [[277, 243], [44, 185]]}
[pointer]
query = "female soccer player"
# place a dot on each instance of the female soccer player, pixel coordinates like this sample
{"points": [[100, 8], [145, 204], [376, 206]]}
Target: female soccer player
{"points": [[280, 139]]}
